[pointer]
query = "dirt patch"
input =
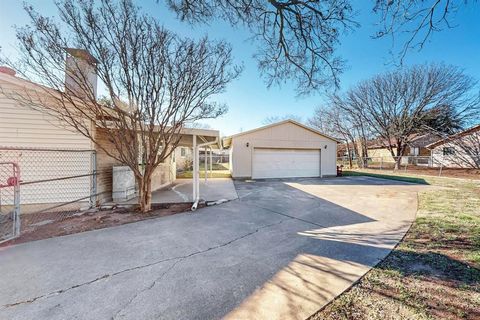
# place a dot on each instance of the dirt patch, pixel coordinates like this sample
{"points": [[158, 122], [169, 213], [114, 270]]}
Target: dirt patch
{"points": [[47, 225], [445, 172]]}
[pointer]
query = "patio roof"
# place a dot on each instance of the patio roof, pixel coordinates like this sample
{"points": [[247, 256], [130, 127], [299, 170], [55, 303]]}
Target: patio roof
{"points": [[203, 136]]}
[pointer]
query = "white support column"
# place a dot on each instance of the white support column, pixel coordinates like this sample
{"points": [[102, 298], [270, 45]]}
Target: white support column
{"points": [[196, 171], [195, 168], [206, 163], [211, 168]]}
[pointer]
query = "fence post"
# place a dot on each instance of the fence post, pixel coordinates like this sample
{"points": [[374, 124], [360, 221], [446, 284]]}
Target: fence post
{"points": [[16, 190], [93, 189], [381, 163]]}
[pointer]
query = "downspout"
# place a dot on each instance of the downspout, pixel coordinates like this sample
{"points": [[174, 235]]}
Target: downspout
{"points": [[196, 181]]}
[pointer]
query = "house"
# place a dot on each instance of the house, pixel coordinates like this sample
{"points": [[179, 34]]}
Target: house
{"points": [[282, 150], [183, 158], [58, 164], [44, 147], [417, 147], [461, 150]]}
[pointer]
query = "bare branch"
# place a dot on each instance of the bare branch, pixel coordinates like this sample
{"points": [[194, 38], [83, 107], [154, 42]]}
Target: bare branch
{"points": [[297, 38], [155, 82]]}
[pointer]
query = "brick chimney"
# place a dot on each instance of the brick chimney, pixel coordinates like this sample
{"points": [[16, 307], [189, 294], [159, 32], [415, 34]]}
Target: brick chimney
{"points": [[80, 72], [7, 70]]}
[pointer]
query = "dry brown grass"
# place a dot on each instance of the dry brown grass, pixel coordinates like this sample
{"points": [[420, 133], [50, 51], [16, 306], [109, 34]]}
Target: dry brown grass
{"points": [[434, 272]]}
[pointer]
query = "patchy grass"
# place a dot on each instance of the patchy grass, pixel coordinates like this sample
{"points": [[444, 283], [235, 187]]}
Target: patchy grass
{"points": [[434, 273], [215, 174], [219, 170]]}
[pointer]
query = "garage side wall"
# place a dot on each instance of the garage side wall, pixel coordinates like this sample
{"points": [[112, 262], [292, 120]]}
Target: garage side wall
{"points": [[287, 136]]}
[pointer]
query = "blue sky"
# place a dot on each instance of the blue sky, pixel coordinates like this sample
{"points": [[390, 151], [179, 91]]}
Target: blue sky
{"points": [[248, 98]]}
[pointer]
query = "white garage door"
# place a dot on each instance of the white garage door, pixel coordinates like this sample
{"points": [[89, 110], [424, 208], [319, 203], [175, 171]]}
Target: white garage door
{"points": [[285, 163]]}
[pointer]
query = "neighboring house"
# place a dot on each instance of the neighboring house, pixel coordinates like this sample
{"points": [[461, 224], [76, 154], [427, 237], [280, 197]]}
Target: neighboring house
{"points": [[56, 150], [183, 158], [461, 150], [417, 147], [342, 151], [282, 150]]}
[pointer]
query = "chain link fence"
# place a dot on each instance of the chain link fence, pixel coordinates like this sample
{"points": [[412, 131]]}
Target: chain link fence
{"points": [[422, 165], [53, 185], [219, 163], [9, 200]]}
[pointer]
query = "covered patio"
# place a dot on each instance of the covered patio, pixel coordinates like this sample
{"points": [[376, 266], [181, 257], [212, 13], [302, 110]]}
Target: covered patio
{"points": [[181, 191], [195, 189]]}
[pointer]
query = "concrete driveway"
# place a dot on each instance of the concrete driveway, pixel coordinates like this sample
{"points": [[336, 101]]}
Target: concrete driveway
{"points": [[280, 251]]}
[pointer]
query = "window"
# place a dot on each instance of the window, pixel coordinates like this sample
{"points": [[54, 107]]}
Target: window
{"points": [[415, 151], [447, 151], [183, 152]]}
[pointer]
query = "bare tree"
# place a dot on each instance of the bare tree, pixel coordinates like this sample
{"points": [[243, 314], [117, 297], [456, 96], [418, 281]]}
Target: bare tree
{"points": [[396, 105], [155, 82], [414, 21], [277, 118], [297, 38], [337, 121]]}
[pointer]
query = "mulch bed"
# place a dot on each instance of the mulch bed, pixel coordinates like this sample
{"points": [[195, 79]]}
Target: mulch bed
{"points": [[45, 226]]}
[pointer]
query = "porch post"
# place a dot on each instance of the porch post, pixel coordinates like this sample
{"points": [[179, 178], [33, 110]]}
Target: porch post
{"points": [[195, 168], [211, 172], [206, 163]]}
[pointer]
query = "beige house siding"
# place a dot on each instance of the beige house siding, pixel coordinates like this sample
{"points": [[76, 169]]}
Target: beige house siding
{"points": [[104, 166], [27, 128], [21, 126], [164, 175], [288, 136], [387, 156], [380, 152], [24, 127]]}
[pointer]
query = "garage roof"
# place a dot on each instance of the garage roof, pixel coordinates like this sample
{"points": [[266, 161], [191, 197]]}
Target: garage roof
{"points": [[228, 140]]}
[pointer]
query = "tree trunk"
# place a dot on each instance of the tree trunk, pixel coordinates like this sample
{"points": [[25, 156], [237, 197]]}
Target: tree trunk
{"points": [[359, 157], [400, 151], [349, 154], [144, 193]]}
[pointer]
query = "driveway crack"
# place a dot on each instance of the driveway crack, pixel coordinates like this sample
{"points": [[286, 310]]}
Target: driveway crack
{"points": [[125, 306], [286, 215], [106, 276]]}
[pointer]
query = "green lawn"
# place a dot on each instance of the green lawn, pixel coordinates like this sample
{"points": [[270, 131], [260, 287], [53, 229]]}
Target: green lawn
{"points": [[412, 179], [219, 170], [434, 272]]}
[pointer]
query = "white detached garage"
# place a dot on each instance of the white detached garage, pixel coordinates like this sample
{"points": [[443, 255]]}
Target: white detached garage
{"points": [[286, 149]]}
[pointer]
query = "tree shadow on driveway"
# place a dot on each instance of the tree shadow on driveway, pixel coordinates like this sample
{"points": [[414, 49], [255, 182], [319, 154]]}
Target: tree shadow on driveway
{"points": [[282, 250]]}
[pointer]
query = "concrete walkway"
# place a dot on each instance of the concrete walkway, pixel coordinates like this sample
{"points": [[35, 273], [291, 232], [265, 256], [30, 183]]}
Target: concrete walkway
{"points": [[280, 251], [181, 191]]}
